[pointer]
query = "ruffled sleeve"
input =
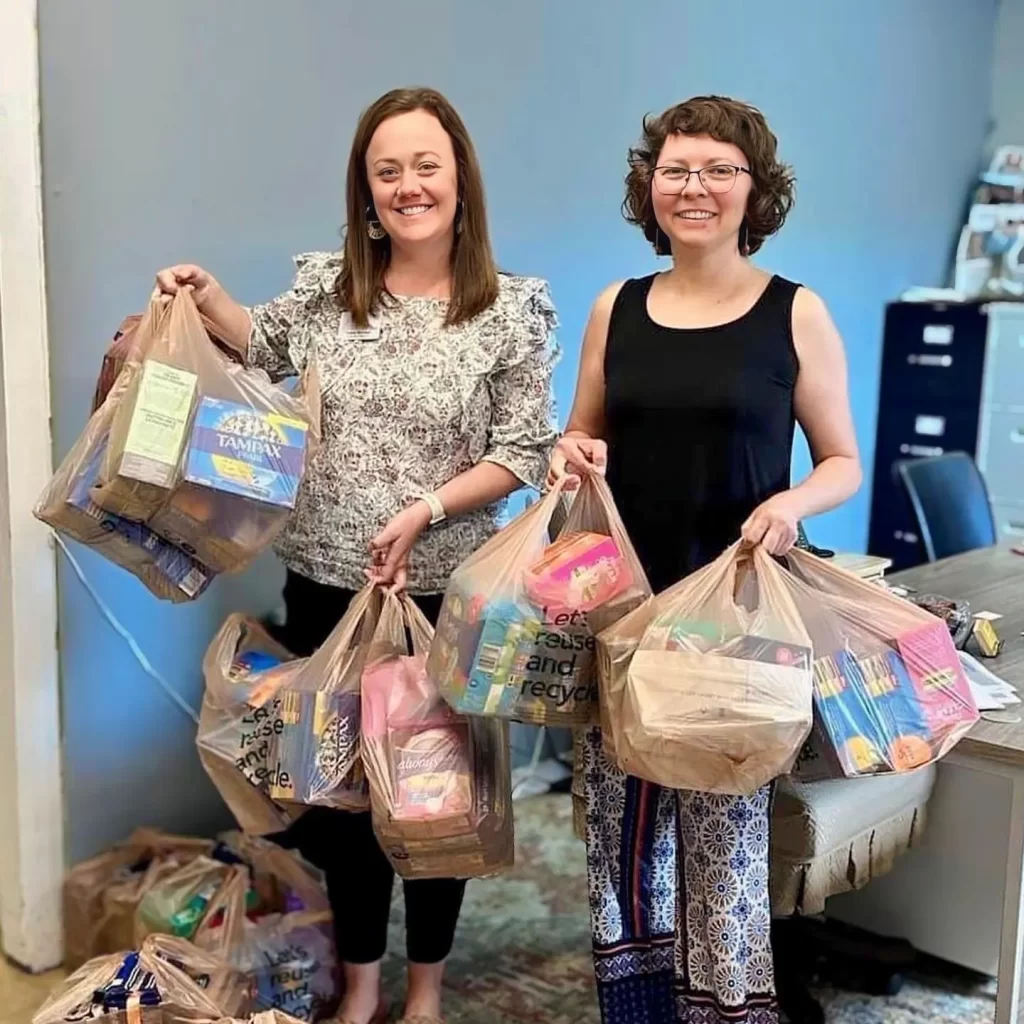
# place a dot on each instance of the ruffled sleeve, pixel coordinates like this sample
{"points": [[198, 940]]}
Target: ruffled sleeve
{"points": [[523, 426], [276, 341]]}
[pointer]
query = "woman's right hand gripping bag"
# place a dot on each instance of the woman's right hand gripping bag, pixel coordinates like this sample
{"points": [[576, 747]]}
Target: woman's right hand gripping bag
{"points": [[890, 694], [709, 684], [516, 635], [440, 787]]}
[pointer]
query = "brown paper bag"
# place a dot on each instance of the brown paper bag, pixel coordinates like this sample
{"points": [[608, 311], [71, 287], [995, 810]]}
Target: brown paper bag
{"points": [[717, 695]]}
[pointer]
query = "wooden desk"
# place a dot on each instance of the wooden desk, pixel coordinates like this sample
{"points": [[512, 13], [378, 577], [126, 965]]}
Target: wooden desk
{"points": [[992, 579]]}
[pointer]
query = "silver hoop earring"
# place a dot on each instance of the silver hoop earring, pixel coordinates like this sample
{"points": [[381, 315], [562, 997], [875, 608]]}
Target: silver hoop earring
{"points": [[373, 226]]}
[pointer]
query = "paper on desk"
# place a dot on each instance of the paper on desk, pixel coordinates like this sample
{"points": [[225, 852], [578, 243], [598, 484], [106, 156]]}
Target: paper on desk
{"points": [[989, 691]]}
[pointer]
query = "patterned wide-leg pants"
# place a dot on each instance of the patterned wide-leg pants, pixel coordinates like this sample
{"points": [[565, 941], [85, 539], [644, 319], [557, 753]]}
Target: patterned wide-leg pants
{"points": [[680, 907]]}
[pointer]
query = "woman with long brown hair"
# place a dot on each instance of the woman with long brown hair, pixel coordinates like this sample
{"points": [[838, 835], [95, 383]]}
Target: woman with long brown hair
{"points": [[691, 382], [436, 374]]}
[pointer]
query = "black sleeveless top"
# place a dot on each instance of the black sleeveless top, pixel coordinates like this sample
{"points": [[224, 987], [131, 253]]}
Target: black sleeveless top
{"points": [[699, 424]]}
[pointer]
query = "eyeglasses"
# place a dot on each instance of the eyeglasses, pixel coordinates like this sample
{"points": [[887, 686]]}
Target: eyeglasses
{"points": [[670, 180]]}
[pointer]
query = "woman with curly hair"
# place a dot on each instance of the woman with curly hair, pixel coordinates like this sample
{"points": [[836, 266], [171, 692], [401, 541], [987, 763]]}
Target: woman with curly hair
{"points": [[690, 384]]}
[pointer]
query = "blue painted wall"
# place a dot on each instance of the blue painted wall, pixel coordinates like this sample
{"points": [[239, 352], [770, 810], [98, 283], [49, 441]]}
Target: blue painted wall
{"points": [[218, 133]]}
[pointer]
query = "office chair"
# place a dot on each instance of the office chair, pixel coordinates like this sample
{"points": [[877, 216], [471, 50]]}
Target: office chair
{"points": [[950, 502]]}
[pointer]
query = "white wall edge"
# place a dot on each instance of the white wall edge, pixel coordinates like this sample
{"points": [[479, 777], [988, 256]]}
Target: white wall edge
{"points": [[31, 792]]}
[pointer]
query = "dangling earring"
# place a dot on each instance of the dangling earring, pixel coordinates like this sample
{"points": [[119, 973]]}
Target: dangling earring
{"points": [[373, 226], [744, 238], [662, 245], [460, 210]]}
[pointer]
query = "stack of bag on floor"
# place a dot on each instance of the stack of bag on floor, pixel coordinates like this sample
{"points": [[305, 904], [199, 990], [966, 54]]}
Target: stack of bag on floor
{"points": [[248, 922], [191, 462]]}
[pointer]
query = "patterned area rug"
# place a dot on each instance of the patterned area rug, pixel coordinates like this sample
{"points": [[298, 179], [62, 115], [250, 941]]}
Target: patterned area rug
{"points": [[522, 954]]}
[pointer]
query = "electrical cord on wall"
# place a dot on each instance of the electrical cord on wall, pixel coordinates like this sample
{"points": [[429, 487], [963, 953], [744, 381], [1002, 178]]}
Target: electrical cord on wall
{"points": [[133, 646]]}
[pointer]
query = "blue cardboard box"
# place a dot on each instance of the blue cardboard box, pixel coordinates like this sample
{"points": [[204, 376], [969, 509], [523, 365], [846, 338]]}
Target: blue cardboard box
{"points": [[239, 450]]}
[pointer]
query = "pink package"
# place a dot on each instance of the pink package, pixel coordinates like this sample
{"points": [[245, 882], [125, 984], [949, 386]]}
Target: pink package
{"points": [[580, 571]]}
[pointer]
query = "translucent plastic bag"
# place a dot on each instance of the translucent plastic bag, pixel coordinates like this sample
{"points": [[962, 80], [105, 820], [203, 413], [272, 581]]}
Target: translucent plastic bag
{"points": [[128, 988], [226, 987], [890, 694], [515, 637], [115, 357], [206, 452], [101, 895], [717, 695], [178, 903], [316, 755], [440, 787], [273, 922], [241, 720], [66, 505]]}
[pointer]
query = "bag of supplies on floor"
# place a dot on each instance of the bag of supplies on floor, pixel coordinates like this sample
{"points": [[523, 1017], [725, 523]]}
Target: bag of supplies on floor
{"points": [[515, 638], [128, 988], [241, 720], [890, 694], [178, 903], [273, 922], [228, 988], [168, 571], [718, 691], [440, 788], [316, 751], [207, 453], [101, 895]]}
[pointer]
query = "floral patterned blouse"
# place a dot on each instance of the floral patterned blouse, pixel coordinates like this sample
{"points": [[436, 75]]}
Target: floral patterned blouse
{"points": [[405, 412]]}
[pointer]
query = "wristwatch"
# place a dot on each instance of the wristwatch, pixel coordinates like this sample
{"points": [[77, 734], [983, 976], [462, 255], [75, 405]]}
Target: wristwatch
{"points": [[433, 502]]}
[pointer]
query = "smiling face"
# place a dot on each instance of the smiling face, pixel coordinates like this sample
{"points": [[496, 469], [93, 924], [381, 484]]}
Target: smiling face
{"points": [[414, 178], [699, 217]]}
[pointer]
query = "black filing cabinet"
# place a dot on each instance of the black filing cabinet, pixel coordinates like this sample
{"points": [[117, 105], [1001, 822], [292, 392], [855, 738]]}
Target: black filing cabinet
{"points": [[933, 363]]}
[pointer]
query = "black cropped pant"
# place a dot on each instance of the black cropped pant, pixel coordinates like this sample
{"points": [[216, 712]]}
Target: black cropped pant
{"points": [[342, 843]]}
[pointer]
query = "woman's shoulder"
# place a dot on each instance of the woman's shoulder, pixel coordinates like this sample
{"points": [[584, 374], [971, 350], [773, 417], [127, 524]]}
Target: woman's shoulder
{"points": [[317, 271], [527, 298]]}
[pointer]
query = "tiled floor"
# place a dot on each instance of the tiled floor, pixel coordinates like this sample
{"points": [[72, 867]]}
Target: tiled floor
{"points": [[21, 993]]}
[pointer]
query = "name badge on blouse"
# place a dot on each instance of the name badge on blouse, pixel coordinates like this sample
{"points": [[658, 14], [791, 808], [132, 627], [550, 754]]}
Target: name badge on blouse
{"points": [[348, 331]]}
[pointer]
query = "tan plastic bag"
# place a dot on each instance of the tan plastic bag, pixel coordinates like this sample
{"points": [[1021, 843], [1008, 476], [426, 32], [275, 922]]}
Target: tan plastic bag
{"points": [[440, 788], [717, 695], [208, 453], [516, 634], [890, 694], [178, 903], [273, 922], [102, 894], [316, 756], [264, 1017], [237, 739], [115, 989], [66, 505], [229, 989]]}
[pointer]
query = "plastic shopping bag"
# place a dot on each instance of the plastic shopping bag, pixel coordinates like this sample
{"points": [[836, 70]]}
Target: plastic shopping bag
{"points": [[440, 788], [229, 989], [515, 637], [206, 452], [316, 752], [241, 720], [101, 895], [66, 505], [273, 922], [128, 988], [890, 694], [717, 695], [178, 903]]}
